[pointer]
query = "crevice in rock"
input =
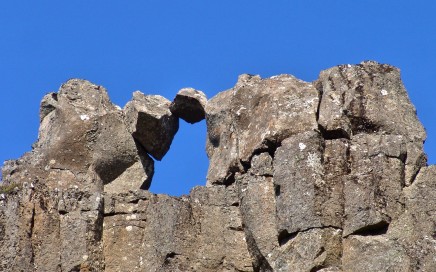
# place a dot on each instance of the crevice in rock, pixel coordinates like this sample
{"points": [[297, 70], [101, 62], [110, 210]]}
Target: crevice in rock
{"points": [[349, 160], [317, 268], [32, 225], [363, 125], [277, 190], [333, 134], [271, 147], [268, 146], [284, 237], [147, 183], [170, 256], [230, 179], [246, 165], [239, 228], [260, 263], [379, 228], [75, 268], [319, 88], [134, 201], [320, 252], [123, 225], [402, 157], [413, 178]]}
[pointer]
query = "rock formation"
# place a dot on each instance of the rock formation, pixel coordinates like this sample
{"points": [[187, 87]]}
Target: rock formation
{"points": [[322, 176]]}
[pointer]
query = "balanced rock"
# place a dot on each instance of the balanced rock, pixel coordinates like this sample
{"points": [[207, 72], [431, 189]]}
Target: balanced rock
{"points": [[189, 105], [151, 123]]}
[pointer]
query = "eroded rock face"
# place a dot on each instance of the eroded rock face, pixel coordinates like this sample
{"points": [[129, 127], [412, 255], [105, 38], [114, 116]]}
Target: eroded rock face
{"points": [[302, 177], [257, 114]]}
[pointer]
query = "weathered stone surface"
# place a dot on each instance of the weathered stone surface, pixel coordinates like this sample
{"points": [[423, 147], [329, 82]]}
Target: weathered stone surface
{"points": [[310, 250], [145, 232], [151, 123], [370, 97], [189, 105], [132, 178], [367, 97], [300, 185], [258, 205], [271, 110], [373, 190], [336, 168], [54, 230], [221, 144], [415, 229], [300, 179], [256, 115], [262, 165], [378, 253]]}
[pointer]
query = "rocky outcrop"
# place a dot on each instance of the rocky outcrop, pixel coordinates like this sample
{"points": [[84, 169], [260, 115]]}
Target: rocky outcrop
{"points": [[322, 176]]}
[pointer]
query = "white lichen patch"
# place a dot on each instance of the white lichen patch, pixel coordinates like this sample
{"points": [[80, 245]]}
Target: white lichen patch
{"points": [[335, 98], [319, 182], [302, 146], [314, 162], [129, 228], [131, 217], [240, 109], [84, 117], [384, 92]]}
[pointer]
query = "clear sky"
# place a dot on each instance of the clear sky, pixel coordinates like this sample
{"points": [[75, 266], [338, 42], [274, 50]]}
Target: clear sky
{"points": [[159, 47]]}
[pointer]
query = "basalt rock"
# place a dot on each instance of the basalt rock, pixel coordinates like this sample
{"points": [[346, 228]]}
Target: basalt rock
{"points": [[151, 123], [322, 176], [189, 105]]}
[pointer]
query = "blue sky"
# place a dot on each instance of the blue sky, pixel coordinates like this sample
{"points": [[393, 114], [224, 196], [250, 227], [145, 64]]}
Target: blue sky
{"points": [[159, 47]]}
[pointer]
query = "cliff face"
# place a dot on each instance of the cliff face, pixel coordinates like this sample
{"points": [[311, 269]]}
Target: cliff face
{"points": [[322, 176]]}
